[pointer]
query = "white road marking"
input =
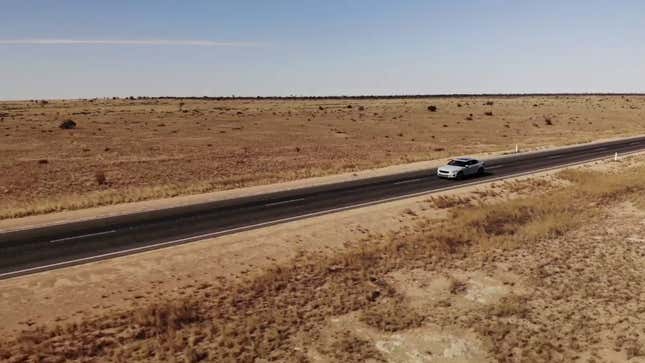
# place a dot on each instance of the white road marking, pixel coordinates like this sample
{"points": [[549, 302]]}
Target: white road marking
{"points": [[554, 156], [82, 236], [284, 202], [495, 166], [601, 148], [408, 181], [303, 216]]}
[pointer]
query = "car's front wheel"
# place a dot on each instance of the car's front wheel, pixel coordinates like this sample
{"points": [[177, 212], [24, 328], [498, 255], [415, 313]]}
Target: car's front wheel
{"points": [[480, 171], [460, 175]]}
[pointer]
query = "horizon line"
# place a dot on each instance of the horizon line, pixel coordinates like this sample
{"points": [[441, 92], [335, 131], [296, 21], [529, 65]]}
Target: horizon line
{"points": [[304, 97]]}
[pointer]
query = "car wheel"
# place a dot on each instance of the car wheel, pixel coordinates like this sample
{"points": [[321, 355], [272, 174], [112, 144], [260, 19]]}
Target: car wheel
{"points": [[460, 175], [480, 171]]}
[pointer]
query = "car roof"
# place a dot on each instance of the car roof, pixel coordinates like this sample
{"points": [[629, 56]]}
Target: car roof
{"points": [[464, 159]]}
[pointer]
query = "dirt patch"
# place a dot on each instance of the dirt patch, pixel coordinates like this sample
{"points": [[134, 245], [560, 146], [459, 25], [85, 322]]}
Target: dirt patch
{"points": [[429, 343], [427, 289]]}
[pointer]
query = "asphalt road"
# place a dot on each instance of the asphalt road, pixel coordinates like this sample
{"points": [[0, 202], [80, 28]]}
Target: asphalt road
{"points": [[30, 251]]}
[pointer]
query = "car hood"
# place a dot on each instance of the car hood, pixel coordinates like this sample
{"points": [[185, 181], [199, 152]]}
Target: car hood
{"points": [[451, 168]]}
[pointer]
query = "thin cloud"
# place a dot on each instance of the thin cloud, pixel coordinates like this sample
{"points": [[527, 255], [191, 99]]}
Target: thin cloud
{"points": [[153, 42]]}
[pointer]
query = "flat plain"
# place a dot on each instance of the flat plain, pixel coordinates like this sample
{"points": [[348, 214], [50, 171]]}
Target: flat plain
{"points": [[546, 268], [124, 150]]}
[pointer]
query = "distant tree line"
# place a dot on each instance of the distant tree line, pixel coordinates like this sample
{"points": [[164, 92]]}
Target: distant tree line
{"points": [[367, 97], [357, 97]]}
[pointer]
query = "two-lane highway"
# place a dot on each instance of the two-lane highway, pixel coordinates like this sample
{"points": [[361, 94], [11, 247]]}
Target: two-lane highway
{"points": [[29, 251]]}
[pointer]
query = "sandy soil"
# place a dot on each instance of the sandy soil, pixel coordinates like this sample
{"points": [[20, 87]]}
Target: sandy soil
{"points": [[149, 149]]}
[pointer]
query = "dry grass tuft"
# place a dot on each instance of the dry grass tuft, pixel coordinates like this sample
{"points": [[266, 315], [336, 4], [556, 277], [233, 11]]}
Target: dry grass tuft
{"points": [[392, 315], [529, 185], [521, 220], [511, 306], [605, 187], [448, 201], [347, 347], [166, 317]]}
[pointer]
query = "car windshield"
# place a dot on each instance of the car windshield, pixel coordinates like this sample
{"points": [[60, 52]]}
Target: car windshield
{"points": [[457, 163]]}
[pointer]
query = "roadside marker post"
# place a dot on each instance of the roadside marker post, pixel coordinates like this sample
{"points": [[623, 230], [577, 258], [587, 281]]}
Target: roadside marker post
{"points": [[517, 148], [616, 156]]}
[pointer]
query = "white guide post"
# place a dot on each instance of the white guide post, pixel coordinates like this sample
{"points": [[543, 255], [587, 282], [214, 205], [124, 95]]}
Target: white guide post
{"points": [[615, 156], [517, 148]]}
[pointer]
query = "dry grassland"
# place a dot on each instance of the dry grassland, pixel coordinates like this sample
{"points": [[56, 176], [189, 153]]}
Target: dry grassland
{"points": [[131, 150], [530, 271]]}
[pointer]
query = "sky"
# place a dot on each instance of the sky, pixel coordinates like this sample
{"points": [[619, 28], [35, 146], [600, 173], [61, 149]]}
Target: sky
{"points": [[83, 49]]}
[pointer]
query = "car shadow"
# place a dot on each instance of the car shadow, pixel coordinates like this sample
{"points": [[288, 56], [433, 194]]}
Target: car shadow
{"points": [[475, 176]]}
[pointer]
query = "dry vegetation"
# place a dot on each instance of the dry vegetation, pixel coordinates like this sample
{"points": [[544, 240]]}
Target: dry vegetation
{"points": [[574, 298], [391, 315], [61, 155], [347, 347]]}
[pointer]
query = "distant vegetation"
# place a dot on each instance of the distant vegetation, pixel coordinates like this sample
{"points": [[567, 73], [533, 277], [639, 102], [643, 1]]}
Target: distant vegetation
{"points": [[67, 124], [361, 97]]}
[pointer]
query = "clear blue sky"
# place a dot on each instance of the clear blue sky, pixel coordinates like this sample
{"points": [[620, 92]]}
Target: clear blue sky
{"points": [[121, 48]]}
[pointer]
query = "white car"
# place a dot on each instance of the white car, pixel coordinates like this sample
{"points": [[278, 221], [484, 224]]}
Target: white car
{"points": [[461, 167]]}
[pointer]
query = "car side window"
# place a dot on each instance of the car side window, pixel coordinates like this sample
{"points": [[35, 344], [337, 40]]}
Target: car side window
{"points": [[472, 162]]}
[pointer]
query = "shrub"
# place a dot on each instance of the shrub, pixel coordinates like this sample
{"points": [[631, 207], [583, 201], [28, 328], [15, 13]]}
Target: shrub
{"points": [[457, 287], [547, 121], [100, 177], [432, 108], [67, 125], [488, 113]]}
